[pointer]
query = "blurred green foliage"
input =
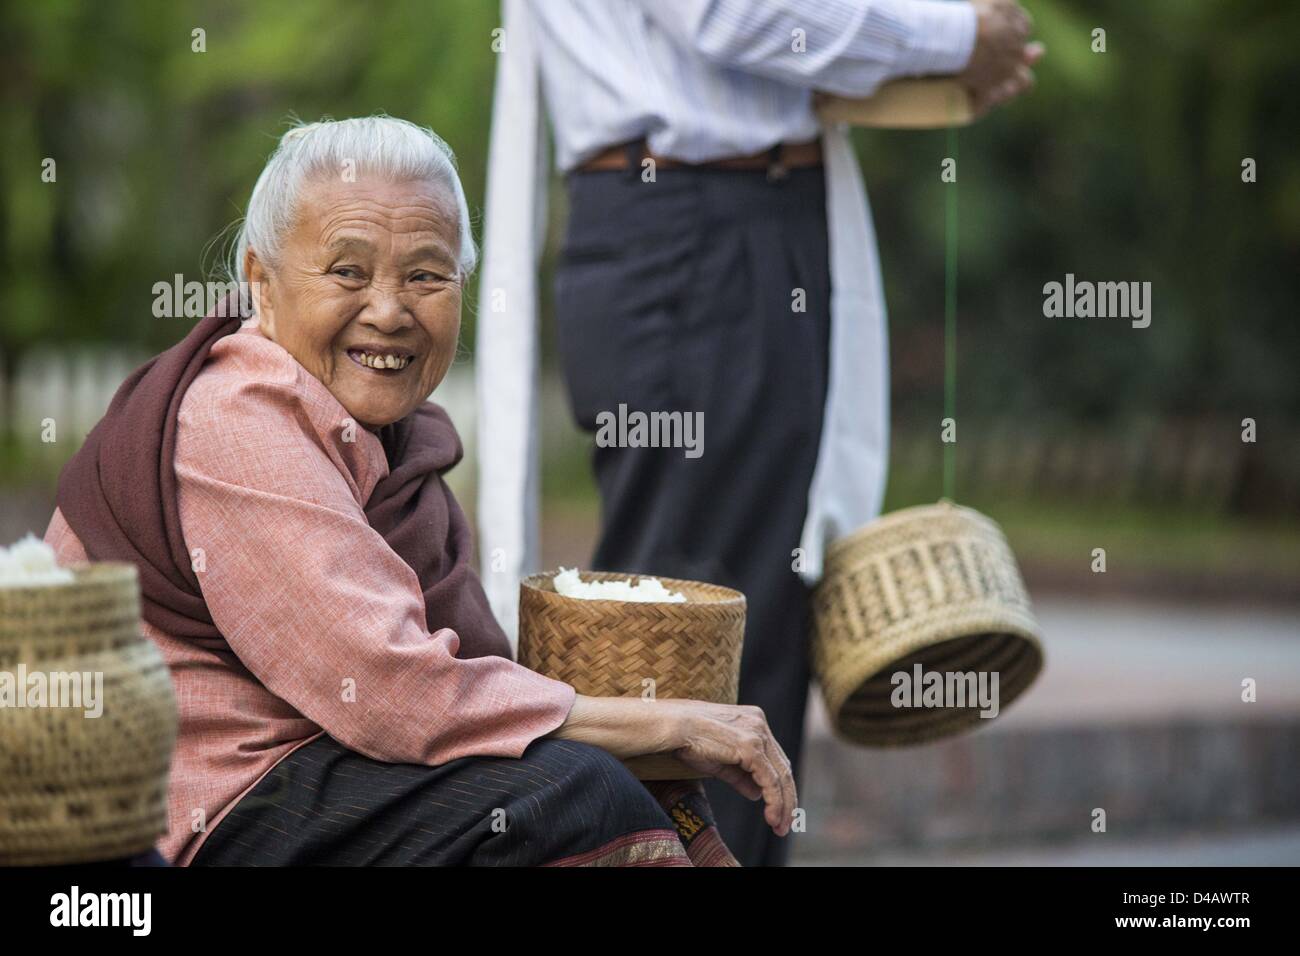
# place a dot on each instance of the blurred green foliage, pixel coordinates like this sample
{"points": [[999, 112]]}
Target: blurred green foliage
{"points": [[1123, 165], [157, 146]]}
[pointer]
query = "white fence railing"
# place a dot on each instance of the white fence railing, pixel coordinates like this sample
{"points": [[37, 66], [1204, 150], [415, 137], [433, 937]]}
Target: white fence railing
{"points": [[59, 394]]}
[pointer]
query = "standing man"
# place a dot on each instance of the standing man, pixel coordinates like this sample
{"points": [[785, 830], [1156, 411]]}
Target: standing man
{"points": [[719, 263]]}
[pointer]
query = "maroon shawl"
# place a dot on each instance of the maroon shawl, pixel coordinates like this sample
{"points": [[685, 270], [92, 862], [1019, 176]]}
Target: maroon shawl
{"points": [[118, 494]]}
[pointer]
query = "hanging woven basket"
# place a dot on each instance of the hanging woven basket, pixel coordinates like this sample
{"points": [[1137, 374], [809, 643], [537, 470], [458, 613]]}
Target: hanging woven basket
{"points": [[936, 585], [648, 649], [76, 788]]}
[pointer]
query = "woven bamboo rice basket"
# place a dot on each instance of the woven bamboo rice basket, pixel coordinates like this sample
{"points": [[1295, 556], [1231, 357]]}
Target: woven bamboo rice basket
{"points": [[636, 649], [76, 788], [935, 585]]}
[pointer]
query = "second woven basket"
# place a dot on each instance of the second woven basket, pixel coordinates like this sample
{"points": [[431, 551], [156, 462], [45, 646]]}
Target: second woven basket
{"points": [[79, 786], [935, 586], [648, 649]]}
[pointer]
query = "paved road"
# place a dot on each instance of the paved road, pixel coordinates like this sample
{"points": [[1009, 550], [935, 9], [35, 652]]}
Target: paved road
{"points": [[1257, 847]]}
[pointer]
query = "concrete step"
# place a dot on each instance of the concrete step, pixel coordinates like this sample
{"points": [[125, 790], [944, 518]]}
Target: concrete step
{"points": [[1043, 783]]}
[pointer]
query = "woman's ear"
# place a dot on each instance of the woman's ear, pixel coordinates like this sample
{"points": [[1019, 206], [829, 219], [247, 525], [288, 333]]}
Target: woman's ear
{"points": [[259, 290]]}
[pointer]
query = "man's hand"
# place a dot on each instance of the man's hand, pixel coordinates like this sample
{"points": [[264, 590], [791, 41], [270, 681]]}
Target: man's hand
{"points": [[999, 67]]}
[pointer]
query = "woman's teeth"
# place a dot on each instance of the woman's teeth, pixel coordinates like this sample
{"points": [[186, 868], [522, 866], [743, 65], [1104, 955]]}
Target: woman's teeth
{"points": [[371, 360]]}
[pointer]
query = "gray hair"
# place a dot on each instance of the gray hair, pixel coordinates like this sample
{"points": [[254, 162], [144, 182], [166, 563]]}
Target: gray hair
{"points": [[380, 145]]}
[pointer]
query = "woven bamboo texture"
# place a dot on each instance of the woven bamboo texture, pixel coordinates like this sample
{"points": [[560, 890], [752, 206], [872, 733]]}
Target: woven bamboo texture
{"points": [[74, 788], [912, 103], [651, 649], [935, 585]]}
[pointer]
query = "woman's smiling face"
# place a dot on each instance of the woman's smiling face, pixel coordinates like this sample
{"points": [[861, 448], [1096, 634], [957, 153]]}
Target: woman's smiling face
{"points": [[365, 293]]}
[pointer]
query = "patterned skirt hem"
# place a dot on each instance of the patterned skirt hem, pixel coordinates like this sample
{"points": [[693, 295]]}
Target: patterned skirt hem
{"points": [[643, 848]]}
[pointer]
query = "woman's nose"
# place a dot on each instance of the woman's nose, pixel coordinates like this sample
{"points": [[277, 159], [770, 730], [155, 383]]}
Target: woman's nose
{"points": [[386, 312]]}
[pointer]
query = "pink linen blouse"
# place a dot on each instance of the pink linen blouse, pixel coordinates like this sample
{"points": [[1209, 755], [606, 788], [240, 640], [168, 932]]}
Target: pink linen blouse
{"points": [[324, 622]]}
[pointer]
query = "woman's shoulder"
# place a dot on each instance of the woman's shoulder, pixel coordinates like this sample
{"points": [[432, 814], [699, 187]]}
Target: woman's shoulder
{"points": [[246, 360], [248, 376], [252, 393]]}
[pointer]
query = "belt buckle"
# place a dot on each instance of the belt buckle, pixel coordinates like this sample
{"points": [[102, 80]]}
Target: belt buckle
{"points": [[776, 170], [633, 154]]}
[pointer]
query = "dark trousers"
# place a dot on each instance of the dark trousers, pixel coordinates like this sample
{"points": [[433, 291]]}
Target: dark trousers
{"points": [[325, 805], [708, 291]]}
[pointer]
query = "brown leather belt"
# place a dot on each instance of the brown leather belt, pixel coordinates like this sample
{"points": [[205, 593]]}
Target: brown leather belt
{"points": [[776, 161]]}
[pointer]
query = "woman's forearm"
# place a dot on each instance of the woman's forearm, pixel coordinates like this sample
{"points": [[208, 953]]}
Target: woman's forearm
{"points": [[624, 726]]}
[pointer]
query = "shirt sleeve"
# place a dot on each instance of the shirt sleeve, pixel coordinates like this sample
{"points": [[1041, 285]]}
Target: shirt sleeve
{"points": [[847, 47], [315, 603]]}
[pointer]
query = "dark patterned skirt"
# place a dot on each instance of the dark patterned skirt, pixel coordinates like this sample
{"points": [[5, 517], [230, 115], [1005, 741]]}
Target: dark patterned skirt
{"points": [[561, 804]]}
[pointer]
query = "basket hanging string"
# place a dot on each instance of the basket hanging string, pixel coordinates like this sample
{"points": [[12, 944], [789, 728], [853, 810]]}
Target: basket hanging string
{"points": [[950, 306]]}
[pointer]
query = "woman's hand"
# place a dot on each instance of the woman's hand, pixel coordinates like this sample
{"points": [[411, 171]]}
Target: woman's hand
{"points": [[732, 743]]}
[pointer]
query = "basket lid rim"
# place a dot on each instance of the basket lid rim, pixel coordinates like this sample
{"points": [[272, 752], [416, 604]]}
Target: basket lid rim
{"points": [[726, 595], [944, 507], [84, 573]]}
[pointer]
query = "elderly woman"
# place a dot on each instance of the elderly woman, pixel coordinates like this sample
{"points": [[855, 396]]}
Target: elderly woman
{"points": [[345, 695]]}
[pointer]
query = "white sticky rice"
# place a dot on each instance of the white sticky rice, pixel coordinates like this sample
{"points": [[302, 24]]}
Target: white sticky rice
{"points": [[30, 562], [569, 584]]}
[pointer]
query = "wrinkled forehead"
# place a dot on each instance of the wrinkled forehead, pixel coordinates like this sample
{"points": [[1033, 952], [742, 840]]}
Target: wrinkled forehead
{"points": [[334, 210]]}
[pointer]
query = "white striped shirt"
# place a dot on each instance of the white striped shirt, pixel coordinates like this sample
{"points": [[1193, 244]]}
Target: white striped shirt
{"points": [[703, 79]]}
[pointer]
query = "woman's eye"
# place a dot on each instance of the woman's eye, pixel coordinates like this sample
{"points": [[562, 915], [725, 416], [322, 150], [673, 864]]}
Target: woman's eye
{"points": [[347, 272], [423, 276]]}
